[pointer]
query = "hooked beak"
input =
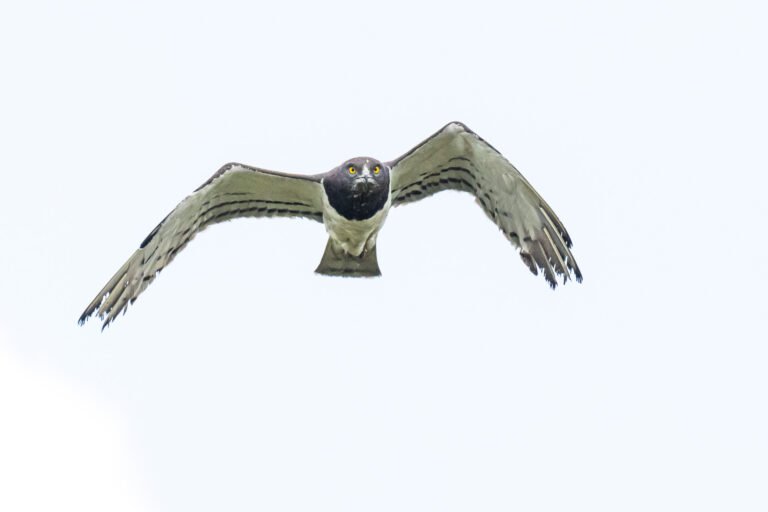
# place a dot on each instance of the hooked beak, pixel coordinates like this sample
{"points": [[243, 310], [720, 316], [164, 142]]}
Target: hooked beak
{"points": [[364, 183]]}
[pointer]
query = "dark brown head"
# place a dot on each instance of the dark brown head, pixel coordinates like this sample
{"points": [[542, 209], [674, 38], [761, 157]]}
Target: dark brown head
{"points": [[358, 188]]}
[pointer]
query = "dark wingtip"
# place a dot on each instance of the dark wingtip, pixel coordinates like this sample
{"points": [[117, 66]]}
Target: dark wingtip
{"points": [[576, 271], [84, 317], [564, 235], [528, 260]]}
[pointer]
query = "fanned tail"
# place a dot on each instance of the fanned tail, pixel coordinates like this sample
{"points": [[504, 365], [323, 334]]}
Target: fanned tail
{"points": [[337, 262]]}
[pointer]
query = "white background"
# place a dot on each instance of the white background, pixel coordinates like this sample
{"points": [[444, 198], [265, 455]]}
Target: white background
{"points": [[457, 381]]}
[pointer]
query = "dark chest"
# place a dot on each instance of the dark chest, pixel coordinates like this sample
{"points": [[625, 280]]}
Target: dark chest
{"points": [[356, 203]]}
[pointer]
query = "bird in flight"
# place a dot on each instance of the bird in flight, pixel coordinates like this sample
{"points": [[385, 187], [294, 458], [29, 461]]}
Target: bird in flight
{"points": [[352, 201]]}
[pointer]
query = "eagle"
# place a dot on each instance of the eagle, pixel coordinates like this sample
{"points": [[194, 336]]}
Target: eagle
{"points": [[353, 201]]}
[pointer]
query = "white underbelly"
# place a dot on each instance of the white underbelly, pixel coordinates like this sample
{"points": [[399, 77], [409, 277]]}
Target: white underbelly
{"points": [[354, 236]]}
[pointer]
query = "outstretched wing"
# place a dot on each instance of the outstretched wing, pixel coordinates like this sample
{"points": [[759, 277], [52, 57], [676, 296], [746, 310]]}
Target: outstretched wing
{"points": [[456, 158], [235, 190]]}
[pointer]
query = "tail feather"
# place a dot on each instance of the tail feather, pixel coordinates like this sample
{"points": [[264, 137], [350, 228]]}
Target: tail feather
{"points": [[337, 262]]}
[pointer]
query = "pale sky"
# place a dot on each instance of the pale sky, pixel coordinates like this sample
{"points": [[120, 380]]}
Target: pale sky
{"points": [[457, 381]]}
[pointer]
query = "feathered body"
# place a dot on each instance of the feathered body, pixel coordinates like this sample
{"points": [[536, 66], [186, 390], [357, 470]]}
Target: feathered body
{"points": [[352, 201], [356, 200]]}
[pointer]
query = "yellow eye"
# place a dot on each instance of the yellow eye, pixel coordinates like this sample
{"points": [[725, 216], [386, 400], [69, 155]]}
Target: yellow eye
{"points": [[376, 170], [352, 170]]}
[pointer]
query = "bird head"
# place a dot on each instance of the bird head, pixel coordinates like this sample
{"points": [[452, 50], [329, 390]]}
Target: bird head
{"points": [[364, 176], [358, 188]]}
